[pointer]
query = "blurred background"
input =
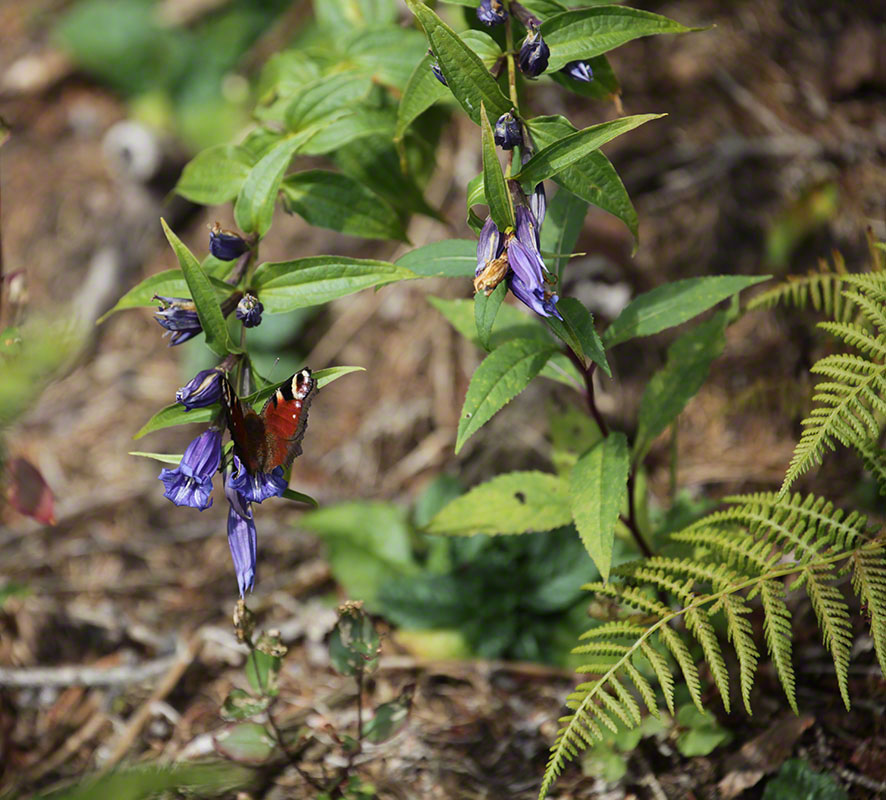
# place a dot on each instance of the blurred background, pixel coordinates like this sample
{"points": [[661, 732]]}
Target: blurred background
{"points": [[772, 157]]}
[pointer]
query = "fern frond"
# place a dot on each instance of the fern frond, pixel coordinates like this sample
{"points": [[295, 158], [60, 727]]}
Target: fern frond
{"points": [[768, 539], [818, 288], [874, 459]]}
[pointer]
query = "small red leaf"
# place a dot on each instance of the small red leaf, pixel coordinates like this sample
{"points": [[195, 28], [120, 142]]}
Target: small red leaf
{"points": [[27, 492]]}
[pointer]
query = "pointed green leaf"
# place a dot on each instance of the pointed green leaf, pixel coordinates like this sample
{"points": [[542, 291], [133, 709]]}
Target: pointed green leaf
{"points": [[598, 488], [169, 283], [504, 373], [518, 502], [163, 458], [254, 208], [560, 232], [571, 149], [583, 338], [450, 258], [675, 384], [593, 178], [358, 123], [389, 718], [325, 97], [485, 311], [466, 75], [326, 376], [673, 304], [215, 176], [334, 201], [204, 296], [421, 92], [501, 208], [300, 497], [286, 285], [588, 32], [245, 743]]}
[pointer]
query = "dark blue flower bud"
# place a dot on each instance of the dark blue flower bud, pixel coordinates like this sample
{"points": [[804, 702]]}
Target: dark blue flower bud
{"points": [[255, 488], [249, 310], [179, 316], [242, 541], [508, 133], [190, 483], [435, 68], [491, 12], [202, 390], [534, 54], [579, 71], [226, 245]]}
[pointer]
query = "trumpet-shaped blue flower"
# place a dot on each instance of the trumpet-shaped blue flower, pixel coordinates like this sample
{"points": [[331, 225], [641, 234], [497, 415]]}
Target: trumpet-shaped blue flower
{"points": [[242, 541], [226, 245], [179, 316], [190, 483], [202, 390], [254, 488]]}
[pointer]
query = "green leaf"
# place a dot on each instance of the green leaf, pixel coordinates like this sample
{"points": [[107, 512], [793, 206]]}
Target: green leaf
{"points": [[504, 373], [485, 311], [671, 388], [796, 780], [450, 258], [518, 502], [593, 179], [588, 32], [203, 294], [334, 201], [368, 544], [466, 75], [286, 285], [604, 86], [170, 283], [326, 97], [583, 338], [163, 458], [262, 670], [598, 488], [330, 374], [299, 497], [354, 642], [387, 53], [702, 734], [389, 718], [245, 743], [421, 92], [359, 123], [571, 149], [215, 176], [254, 208], [545, 8], [498, 197], [673, 304], [561, 229]]}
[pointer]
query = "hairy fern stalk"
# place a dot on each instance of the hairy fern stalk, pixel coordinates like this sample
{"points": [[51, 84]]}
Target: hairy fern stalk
{"points": [[755, 551]]}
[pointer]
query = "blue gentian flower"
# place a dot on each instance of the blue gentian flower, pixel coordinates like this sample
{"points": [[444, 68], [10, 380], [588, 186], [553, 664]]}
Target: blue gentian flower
{"points": [[179, 316], [226, 245], [242, 541], [492, 260], [507, 133], [491, 12], [249, 310], [190, 483], [534, 54], [255, 488], [579, 71], [538, 204], [202, 390]]}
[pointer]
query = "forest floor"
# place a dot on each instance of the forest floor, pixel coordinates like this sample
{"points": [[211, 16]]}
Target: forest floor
{"points": [[775, 110]]}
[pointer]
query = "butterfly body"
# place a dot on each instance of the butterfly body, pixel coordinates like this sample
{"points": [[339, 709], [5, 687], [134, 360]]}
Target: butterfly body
{"points": [[270, 439]]}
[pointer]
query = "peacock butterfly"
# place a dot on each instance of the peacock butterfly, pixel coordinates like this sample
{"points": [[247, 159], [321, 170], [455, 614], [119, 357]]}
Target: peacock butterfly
{"points": [[272, 438]]}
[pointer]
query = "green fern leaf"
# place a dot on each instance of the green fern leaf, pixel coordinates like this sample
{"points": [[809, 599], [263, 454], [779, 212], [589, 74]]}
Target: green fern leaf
{"points": [[741, 634], [869, 582], [778, 635]]}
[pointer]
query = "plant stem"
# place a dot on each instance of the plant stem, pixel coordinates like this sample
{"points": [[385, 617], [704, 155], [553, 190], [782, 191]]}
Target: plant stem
{"points": [[512, 71], [631, 521]]}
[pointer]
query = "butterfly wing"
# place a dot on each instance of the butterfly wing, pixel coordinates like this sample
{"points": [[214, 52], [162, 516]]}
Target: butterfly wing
{"points": [[247, 430], [284, 418]]}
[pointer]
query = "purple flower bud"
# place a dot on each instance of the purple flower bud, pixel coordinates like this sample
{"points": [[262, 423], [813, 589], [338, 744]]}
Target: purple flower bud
{"points": [[190, 483], [438, 73], [226, 245], [255, 488], [527, 231], [489, 245], [242, 541], [249, 310], [202, 390], [538, 203], [179, 316], [508, 134], [579, 71], [534, 54], [491, 12]]}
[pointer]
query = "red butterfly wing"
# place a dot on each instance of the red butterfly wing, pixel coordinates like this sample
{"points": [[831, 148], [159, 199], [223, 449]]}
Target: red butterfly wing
{"points": [[285, 417], [247, 430]]}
